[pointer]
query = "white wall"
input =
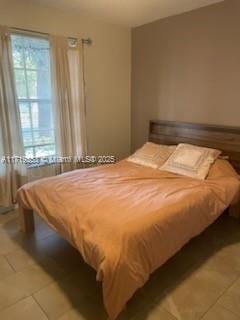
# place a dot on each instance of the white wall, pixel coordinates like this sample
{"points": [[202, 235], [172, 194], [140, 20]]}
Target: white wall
{"points": [[107, 66]]}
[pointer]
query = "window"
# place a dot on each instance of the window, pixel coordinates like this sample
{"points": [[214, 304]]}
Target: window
{"points": [[32, 70]]}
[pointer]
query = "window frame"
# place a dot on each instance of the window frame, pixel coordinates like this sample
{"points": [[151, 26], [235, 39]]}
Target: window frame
{"points": [[43, 160]]}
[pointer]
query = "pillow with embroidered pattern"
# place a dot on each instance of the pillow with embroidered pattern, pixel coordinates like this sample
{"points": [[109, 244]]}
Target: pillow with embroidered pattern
{"points": [[192, 161]]}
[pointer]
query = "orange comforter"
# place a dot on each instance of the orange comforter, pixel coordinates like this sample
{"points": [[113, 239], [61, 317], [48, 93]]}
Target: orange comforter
{"points": [[127, 220]]}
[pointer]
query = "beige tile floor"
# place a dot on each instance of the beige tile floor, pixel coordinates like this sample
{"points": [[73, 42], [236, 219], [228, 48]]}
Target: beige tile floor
{"points": [[43, 277]]}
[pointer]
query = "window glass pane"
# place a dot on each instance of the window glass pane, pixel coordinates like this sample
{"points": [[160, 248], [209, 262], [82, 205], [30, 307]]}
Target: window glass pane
{"points": [[35, 113], [25, 115], [17, 46], [42, 115], [21, 84], [29, 153], [43, 84], [44, 151], [25, 123], [32, 84], [43, 136], [39, 84], [31, 59], [37, 53], [27, 137], [42, 123]]}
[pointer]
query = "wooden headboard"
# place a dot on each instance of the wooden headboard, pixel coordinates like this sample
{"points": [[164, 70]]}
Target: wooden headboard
{"points": [[226, 139]]}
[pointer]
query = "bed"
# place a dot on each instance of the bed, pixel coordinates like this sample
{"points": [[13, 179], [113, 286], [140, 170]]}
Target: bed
{"points": [[125, 219]]}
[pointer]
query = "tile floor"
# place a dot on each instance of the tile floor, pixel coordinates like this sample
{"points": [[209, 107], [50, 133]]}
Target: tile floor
{"points": [[42, 277]]}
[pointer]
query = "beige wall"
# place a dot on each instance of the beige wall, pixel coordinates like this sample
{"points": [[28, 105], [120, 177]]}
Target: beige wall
{"points": [[187, 68], [107, 65]]}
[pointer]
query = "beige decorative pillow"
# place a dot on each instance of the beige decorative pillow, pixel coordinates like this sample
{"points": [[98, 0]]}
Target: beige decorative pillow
{"points": [[152, 155], [191, 161]]}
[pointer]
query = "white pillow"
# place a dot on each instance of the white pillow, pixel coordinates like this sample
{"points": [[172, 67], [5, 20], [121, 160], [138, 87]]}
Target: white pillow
{"points": [[152, 155], [191, 161]]}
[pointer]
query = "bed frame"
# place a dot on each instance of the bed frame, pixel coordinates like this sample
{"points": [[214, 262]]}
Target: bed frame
{"points": [[224, 138]]}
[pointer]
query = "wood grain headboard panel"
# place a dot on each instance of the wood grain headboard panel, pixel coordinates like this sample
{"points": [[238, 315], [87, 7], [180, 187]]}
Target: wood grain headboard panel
{"points": [[224, 138]]}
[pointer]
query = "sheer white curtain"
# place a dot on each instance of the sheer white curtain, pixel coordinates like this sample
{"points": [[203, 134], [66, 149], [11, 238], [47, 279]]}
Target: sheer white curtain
{"points": [[67, 71], [68, 87], [11, 175]]}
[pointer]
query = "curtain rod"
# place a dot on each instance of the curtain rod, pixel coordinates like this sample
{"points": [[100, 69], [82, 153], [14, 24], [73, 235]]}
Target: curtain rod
{"points": [[87, 41]]}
